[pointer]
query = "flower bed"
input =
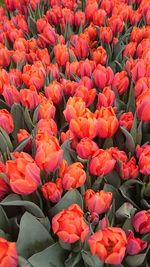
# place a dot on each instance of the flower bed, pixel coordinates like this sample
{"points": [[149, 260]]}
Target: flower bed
{"points": [[75, 133]]}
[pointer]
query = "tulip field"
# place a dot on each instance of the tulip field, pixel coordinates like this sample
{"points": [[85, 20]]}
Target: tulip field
{"points": [[75, 133]]}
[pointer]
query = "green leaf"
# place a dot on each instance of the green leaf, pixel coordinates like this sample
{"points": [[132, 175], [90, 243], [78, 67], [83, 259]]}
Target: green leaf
{"points": [[131, 105], [3, 105], [112, 265], [118, 48], [22, 144], [73, 259], [127, 194], [119, 200], [135, 260], [133, 130], [108, 143], [53, 256], [113, 178], [125, 211], [33, 237], [121, 106], [111, 214], [128, 225], [28, 120], [98, 183], [35, 114], [4, 222], [92, 261], [139, 133], [23, 262], [130, 144], [3, 145], [66, 155], [15, 200], [7, 139], [71, 197], [17, 113]]}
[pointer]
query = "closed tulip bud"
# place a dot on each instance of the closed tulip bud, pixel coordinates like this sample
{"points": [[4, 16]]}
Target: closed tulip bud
{"points": [[48, 35], [23, 173], [11, 94], [130, 49], [54, 92], [21, 44], [29, 98], [143, 45], [100, 56], [81, 48], [52, 191], [135, 16], [136, 34], [15, 77], [143, 105], [90, 32], [69, 224], [98, 202], [48, 125], [72, 69], [34, 75], [69, 87], [4, 57], [103, 76], [134, 245], [43, 56], [143, 153], [101, 163], [54, 70], [126, 120], [99, 17], [49, 155], [118, 154], [90, 9], [46, 109], [85, 126], [20, 22], [74, 176], [107, 5], [41, 24], [75, 107], [129, 170], [106, 35], [79, 18], [106, 98], [6, 121], [141, 222], [121, 82], [61, 54], [107, 122], [8, 252], [67, 17], [86, 68], [116, 24], [88, 95], [141, 85], [86, 148], [19, 57], [87, 82], [54, 15]]}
